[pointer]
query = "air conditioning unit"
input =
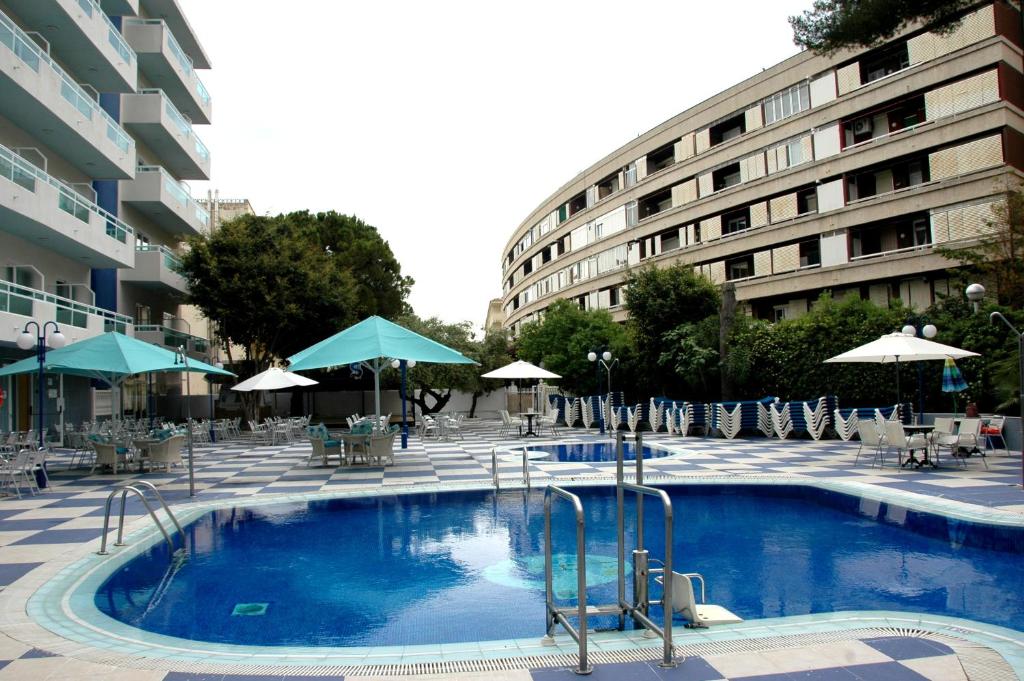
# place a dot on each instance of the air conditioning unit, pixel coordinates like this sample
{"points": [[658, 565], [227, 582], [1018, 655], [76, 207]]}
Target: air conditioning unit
{"points": [[862, 126]]}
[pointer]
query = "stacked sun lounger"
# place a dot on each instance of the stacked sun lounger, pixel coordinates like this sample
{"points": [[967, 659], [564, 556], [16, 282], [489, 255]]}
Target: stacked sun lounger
{"points": [[730, 418], [846, 420], [802, 416]]}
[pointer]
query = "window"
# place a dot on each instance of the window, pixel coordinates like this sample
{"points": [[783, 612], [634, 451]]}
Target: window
{"points": [[728, 129], [810, 253], [670, 240], [739, 268], [629, 174], [661, 158], [795, 152], [655, 203], [545, 255], [884, 62], [577, 203], [527, 267], [913, 233], [141, 241], [787, 102], [736, 221], [909, 174], [779, 313], [726, 177], [631, 214], [607, 186], [807, 201], [142, 314]]}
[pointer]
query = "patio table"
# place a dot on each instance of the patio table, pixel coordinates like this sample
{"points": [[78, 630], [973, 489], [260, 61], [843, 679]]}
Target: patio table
{"points": [[923, 430], [354, 444]]}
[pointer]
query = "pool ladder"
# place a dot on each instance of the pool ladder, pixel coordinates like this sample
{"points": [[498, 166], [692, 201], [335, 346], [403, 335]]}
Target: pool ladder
{"points": [[134, 488], [494, 468], [638, 608]]}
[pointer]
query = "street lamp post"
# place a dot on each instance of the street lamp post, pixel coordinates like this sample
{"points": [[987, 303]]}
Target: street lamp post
{"points": [[926, 331], [975, 294], [1020, 377], [607, 362], [25, 341]]}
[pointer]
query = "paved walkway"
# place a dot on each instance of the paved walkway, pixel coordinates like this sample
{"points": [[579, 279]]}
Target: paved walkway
{"points": [[68, 517]]}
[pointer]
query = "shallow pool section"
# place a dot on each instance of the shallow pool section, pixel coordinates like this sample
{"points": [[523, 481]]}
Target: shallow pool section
{"points": [[468, 566], [590, 452]]}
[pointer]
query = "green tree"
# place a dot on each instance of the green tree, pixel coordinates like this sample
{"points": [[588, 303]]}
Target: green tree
{"points": [[669, 308], [493, 352], [997, 257], [832, 25], [436, 382], [562, 340], [276, 284]]}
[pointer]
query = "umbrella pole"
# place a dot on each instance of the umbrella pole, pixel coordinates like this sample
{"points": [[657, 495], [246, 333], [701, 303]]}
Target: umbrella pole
{"points": [[899, 400], [376, 390]]}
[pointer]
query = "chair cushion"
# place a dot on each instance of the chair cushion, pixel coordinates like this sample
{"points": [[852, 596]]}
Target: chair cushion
{"points": [[332, 443], [121, 450], [362, 428], [991, 430]]}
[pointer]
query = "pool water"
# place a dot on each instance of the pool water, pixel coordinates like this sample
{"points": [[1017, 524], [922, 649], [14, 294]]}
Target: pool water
{"points": [[469, 566], [590, 452]]}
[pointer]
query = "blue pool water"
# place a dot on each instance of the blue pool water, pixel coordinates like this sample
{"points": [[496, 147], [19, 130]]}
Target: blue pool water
{"points": [[592, 452], [468, 566]]}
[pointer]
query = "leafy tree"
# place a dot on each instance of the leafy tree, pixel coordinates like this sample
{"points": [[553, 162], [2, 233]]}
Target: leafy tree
{"points": [[437, 381], [669, 308], [998, 256], [785, 359], [833, 25], [276, 284], [493, 352], [562, 339]]}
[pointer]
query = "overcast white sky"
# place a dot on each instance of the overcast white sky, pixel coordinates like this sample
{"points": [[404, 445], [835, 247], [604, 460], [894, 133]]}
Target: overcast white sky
{"points": [[444, 124]]}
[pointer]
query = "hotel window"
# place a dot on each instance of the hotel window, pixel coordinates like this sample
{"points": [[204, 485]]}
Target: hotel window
{"points": [[607, 186], [779, 313], [884, 62], [726, 177], [913, 233], [795, 152], [728, 129], [810, 253], [736, 221], [629, 174], [787, 102], [739, 268], [807, 201]]}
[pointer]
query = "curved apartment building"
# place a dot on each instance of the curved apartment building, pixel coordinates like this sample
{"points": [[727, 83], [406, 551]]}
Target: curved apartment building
{"points": [[841, 174]]}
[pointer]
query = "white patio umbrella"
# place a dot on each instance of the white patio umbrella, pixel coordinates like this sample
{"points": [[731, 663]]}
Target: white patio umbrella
{"points": [[520, 370], [896, 347], [273, 378]]}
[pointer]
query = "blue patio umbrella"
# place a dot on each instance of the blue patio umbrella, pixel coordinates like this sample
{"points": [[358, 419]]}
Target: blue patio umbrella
{"points": [[373, 343], [952, 380]]}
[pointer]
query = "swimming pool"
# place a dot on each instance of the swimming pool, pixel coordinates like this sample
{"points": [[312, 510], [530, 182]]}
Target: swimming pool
{"points": [[590, 452], [468, 566]]}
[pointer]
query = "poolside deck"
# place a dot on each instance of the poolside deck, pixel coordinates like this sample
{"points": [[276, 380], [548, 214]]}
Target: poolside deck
{"points": [[67, 519]]}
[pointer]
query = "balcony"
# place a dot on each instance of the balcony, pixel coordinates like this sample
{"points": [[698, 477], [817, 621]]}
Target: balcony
{"points": [[167, 67], [80, 34], [171, 338], [165, 201], [156, 268], [78, 320], [41, 209], [152, 117], [169, 11], [40, 98]]}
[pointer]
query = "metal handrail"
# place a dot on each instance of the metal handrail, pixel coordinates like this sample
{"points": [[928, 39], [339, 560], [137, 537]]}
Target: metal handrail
{"points": [[555, 615], [494, 467], [526, 469], [123, 491], [638, 610]]}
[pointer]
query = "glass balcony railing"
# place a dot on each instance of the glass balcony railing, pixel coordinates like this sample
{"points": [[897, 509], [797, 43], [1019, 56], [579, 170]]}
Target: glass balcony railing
{"points": [[173, 338], [19, 300], [170, 259], [178, 193], [180, 122], [117, 41], [35, 58], [24, 174]]}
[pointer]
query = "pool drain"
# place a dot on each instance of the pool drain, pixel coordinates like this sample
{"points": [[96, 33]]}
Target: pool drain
{"points": [[250, 609]]}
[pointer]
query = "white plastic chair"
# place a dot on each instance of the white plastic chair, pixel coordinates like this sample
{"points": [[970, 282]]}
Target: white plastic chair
{"points": [[685, 603]]}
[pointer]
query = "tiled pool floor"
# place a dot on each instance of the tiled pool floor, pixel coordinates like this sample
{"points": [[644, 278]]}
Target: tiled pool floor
{"points": [[68, 516]]}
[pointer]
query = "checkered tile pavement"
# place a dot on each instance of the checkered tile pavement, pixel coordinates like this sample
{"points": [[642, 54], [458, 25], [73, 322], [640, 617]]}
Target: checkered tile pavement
{"points": [[34, 529]]}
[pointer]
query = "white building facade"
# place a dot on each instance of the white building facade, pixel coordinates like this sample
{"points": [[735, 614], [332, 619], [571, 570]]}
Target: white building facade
{"points": [[840, 174], [99, 100]]}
